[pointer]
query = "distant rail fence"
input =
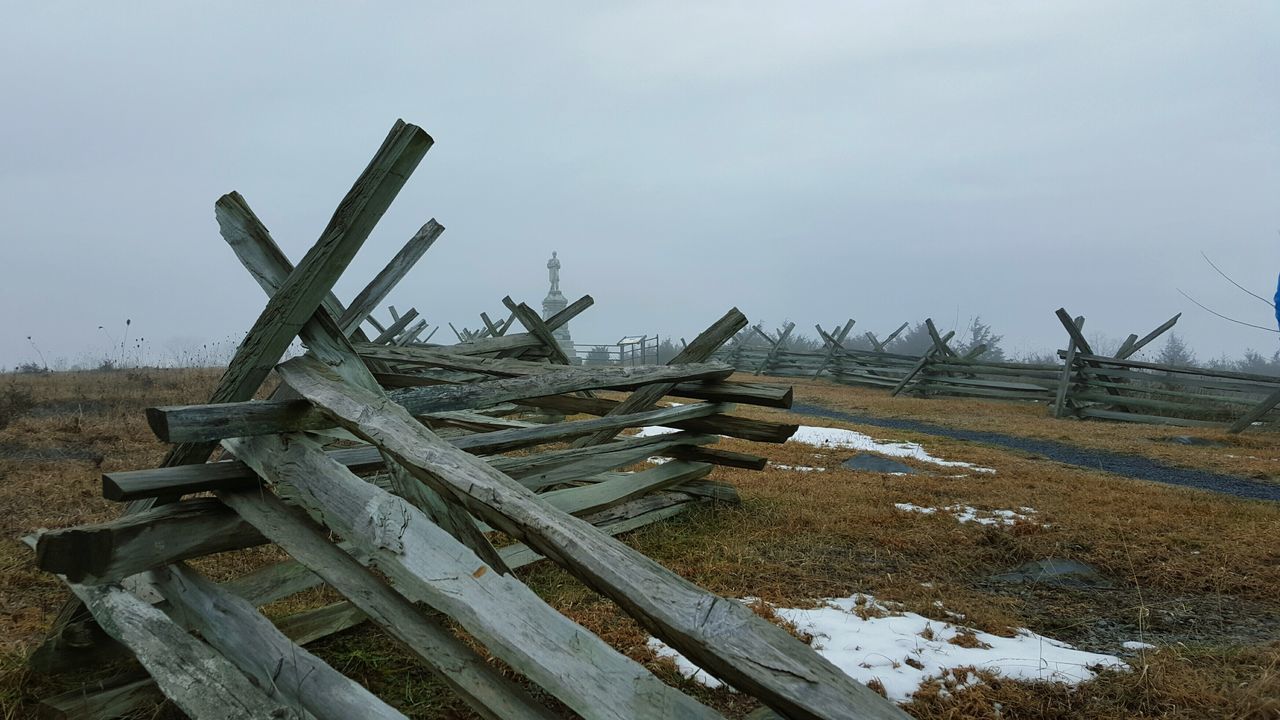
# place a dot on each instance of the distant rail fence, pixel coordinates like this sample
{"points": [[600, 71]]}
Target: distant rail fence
{"points": [[1083, 384]]}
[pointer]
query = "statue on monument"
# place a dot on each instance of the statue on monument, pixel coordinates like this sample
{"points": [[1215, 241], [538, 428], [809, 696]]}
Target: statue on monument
{"points": [[553, 303], [553, 269]]}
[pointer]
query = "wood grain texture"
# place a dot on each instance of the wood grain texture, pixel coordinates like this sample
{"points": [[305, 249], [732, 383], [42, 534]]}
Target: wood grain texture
{"points": [[243, 419], [428, 565], [721, 636], [198, 680], [367, 300], [284, 671]]}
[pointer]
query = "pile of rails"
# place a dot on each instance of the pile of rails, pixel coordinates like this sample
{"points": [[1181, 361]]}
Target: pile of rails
{"points": [[1120, 388], [1084, 385], [385, 472], [939, 371]]}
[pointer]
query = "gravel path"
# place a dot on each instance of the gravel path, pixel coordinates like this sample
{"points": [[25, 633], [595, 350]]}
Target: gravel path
{"points": [[1133, 466]]}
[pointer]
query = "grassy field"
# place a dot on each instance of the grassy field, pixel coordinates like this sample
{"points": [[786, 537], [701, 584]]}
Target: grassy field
{"points": [[1193, 574]]}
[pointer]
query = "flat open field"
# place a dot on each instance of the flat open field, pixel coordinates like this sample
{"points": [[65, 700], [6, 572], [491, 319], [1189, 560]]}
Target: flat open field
{"points": [[1194, 576]]}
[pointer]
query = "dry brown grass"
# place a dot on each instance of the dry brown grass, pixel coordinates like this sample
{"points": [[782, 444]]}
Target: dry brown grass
{"points": [[1254, 453], [1196, 574]]}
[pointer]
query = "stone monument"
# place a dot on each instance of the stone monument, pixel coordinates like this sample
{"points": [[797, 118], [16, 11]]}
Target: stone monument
{"points": [[553, 303]]}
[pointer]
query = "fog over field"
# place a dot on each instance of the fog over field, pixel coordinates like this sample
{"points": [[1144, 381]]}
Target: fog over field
{"points": [[809, 162]]}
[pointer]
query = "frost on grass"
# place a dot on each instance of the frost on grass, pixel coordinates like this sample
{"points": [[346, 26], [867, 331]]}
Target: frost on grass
{"points": [[966, 514], [870, 640], [852, 439]]}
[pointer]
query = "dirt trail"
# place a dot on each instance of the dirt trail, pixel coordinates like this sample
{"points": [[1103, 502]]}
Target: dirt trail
{"points": [[1133, 466]]}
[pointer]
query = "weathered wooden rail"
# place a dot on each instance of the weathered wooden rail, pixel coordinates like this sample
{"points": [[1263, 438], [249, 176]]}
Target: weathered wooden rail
{"points": [[384, 468], [1084, 385]]}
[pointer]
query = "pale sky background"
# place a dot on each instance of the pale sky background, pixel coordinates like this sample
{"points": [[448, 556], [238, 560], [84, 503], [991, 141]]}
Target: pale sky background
{"points": [[811, 161]]}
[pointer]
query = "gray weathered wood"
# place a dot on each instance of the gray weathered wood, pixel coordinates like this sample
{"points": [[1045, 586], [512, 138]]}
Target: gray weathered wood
{"points": [[284, 671], [1064, 384], [835, 345], [698, 351], [777, 346], [721, 636], [132, 543], [324, 338], [394, 329], [1255, 414], [102, 702], [216, 421], [428, 565], [198, 680], [474, 679], [727, 425], [593, 498], [410, 335], [915, 370], [1131, 349], [366, 301], [529, 318]]}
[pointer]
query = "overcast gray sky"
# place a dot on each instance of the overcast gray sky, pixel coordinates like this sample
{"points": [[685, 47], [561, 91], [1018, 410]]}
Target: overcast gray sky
{"points": [[811, 161]]}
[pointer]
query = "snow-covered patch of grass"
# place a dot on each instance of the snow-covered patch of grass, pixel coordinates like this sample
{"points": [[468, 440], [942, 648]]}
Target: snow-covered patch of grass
{"points": [[872, 641], [797, 468], [966, 513], [1136, 645], [852, 439]]}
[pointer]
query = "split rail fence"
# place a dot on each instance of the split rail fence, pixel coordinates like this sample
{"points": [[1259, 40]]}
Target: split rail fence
{"points": [[1084, 385], [385, 471]]}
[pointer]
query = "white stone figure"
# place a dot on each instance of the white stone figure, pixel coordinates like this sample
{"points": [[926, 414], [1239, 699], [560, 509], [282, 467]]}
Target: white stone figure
{"points": [[553, 269]]}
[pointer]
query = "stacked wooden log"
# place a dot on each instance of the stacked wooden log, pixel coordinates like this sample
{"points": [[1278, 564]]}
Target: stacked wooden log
{"points": [[1084, 385], [388, 470]]}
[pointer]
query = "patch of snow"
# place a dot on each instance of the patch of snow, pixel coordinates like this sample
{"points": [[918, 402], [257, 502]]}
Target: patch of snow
{"points": [[841, 438], [966, 514], [798, 468], [869, 641], [1135, 645], [651, 430]]}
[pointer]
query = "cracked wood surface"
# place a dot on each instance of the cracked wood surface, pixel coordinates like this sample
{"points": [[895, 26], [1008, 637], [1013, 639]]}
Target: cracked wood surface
{"points": [[429, 565], [722, 636]]}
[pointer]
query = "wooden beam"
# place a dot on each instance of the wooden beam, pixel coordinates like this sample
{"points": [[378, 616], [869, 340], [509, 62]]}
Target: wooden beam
{"points": [[938, 341], [728, 425], [396, 327], [1137, 345], [698, 351], [721, 636], [1068, 367], [285, 671], [132, 543], [198, 680], [777, 347], [428, 565], [466, 673], [327, 341], [835, 345], [1078, 338], [376, 291], [538, 328], [1255, 414], [915, 369], [182, 423]]}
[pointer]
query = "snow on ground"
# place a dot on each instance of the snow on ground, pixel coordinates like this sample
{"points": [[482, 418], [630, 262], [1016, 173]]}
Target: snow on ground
{"points": [[1136, 645], [841, 438], [797, 468], [903, 650], [965, 513]]}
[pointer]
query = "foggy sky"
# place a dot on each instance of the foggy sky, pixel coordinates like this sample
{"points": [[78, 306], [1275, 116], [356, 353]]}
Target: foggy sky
{"points": [[812, 162]]}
